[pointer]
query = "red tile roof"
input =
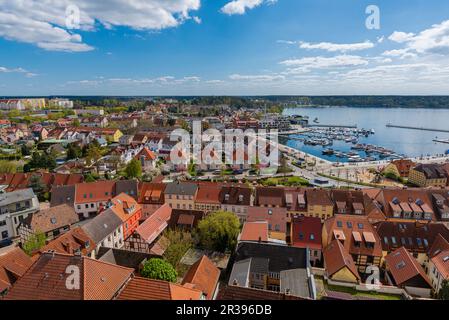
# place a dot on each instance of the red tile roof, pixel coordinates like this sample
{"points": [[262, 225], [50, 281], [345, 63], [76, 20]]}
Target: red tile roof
{"points": [[152, 227], [306, 232], [149, 289], [13, 265], [208, 194], [403, 267], [204, 276], [254, 231], [441, 262], [147, 154], [276, 217], [125, 206], [94, 191], [337, 258], [70, 242], [48, 277]]}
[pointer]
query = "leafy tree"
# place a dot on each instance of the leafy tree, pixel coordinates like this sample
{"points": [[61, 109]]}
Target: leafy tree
{"points": [[443, 294], [219, 231], [74, 151], [133, 169], [37, 184], [180, 242], [25, 150], [7, 167], [35, 242], [93, 153], [76, 123], [159, 269], [42, 160], [89, 178]]}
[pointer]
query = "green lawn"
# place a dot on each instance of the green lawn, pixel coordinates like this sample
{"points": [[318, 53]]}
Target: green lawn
{"points": [[288, 182], [361, 294]]}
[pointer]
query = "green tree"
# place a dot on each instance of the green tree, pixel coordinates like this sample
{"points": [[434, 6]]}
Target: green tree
{"points": [[7, 167], [35, 242], [219, 231], [89, 178], [37, 184], [443, 294], [76, 123], [159, 269], [74, 151], [133, 169], [180, 242], [25, 150]]}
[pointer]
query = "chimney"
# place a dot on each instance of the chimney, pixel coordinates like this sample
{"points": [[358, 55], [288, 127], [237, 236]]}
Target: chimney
{"points": [[260, 239]]}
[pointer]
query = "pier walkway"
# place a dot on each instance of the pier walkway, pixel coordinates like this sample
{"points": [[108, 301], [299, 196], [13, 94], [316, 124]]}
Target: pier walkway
{"points": [[389, 125]]}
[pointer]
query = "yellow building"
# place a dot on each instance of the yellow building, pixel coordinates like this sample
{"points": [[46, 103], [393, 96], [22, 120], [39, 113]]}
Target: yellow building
{"points": [[428, 175], [181, 195], [319, 204]]}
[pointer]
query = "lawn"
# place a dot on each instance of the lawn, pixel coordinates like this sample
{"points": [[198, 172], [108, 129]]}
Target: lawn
{"points": [[361, 294], [288, 182]]}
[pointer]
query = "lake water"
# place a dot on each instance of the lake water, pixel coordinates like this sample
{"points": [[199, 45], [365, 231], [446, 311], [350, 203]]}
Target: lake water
{"points": [[408, 142]]}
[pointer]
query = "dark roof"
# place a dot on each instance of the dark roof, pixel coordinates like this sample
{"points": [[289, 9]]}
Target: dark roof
{"points": [[181, 188], [130, 187], [62, 195], [52, 218], [415, 237], [124, 258], [269, 196], [235, 193], [280, 257], [102, 225], [176, 214], [431, 171]]}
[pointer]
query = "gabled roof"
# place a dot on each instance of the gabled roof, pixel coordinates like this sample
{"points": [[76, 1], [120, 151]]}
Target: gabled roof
{"points": [[441, 262], [52, 218], [403, 267], [13, 265], [269, 196], [203, 276], [151, 193], [47, 278], [102, 225], [337, 258], [124, 206], [147, 154], [208, 194], [306, 232], [70, 242], [140, 288], [235, 195], [152, 227], [62, 195], [440, 244], [318, 197], [254, 231], [276, 217], [181, 188], [96, 191]]}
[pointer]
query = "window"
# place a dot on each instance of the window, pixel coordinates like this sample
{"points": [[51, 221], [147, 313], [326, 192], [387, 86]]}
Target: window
{"points": [[339, 224], [4, 234], [349, 224], [2, 223]]}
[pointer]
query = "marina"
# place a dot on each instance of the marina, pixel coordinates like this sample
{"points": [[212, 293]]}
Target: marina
{"points": [[369, 138]]}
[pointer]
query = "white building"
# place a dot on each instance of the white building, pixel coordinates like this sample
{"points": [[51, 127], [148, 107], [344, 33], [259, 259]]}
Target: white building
{"points": [[14, 208]]}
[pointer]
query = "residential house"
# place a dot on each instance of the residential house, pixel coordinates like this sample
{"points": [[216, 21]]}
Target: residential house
{"points": [[254, 232], [438, 268], [185, 219], [48, 277], [276, 218], [406, 204], [74, 242], [13, 265], [63, 195], [400, 168], [417, 238], [319, 204], [92, 197], [440, 199], [110, 134], [14, 208], [94, 122], [358, 237], [146, 238], [428, 175], [128, 210], [269, 197], [236, 199], [295, 201], [151, 197], [51, 222], [203, 275], [106, 230], [126, 140], [306, 233], [149, 289], [338, 263], [181, 195], [403, 271], [273, 267], [147, 159], [208, 197]]}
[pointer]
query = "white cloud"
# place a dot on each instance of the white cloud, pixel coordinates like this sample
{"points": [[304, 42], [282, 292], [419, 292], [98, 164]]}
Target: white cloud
{"points": [[43, 22], [261, 78], [434, 40], [197, 20], [240, 6], [308, 63], [334, 47], [399, 53]]}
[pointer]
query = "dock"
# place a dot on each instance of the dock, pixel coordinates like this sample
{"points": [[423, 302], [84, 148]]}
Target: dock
{"points": [[332, 126], [441, 141], [389, 125]]}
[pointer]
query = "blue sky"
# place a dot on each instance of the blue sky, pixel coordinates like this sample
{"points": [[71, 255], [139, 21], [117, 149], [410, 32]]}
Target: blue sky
{"points": [[215, 47]]}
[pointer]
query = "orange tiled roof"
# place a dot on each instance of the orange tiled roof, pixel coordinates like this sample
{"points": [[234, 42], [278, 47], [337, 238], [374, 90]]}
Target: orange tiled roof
{"points": [[404, 267], [152, 227], [122, 203], [12, 261], [254, 231], [94, 191], [204, 276]]}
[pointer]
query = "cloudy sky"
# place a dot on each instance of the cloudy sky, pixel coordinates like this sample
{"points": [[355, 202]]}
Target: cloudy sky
{"points": [[216, 47]]}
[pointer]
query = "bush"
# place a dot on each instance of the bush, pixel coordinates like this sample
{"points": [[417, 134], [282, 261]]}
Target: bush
{"points": [[219, 231], [159, 269]]}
